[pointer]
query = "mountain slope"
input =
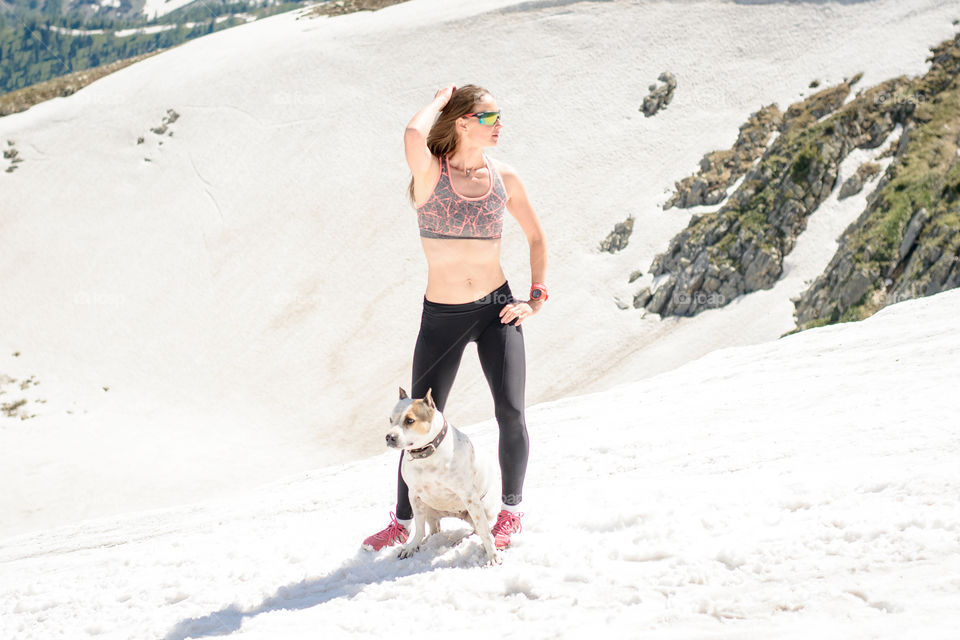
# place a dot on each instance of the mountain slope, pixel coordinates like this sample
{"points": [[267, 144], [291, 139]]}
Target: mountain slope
{"points": [[237, 298]]}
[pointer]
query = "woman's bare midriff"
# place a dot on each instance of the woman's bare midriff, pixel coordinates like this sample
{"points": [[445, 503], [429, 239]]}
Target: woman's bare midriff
{"points": [[462, 269]]}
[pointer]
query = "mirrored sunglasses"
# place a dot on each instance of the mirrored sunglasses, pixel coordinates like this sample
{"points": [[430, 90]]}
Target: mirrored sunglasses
{"points": [[486, 117]]}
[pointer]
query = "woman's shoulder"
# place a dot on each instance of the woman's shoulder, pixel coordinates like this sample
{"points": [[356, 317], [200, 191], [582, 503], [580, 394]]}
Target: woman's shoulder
{"points": [[502, 167], [507, 173]]}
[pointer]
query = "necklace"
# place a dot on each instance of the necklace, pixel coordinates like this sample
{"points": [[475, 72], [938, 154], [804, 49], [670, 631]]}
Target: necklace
{"points": [[467, 171]]}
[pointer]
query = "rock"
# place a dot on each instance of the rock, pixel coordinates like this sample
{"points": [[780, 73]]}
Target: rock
{"points": [[661, 296], [855, 288], [661, 96], [710, 284], [851, 186], [912, 231], [168, 119], [762, 272], [641, 298], [618, 238]]}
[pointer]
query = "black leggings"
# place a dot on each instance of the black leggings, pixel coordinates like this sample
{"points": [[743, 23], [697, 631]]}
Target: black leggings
{"points": [[445, 329]]}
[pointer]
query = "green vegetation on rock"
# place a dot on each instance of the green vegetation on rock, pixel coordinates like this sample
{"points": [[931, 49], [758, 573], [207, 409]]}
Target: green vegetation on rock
{"points": [[907, 241], [904, 244]]}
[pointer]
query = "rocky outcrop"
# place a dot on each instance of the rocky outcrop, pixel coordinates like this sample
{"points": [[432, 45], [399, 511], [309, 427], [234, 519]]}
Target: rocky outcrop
{"points": [[167, 120], [720, 169], [11, 154], [818, 105], [16, 407], [661, 96], [341, 7], [906, 243], [618, 238], [740, 248]]}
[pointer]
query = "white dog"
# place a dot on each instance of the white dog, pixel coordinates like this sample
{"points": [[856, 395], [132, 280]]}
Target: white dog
{"points": [[443, 473]]}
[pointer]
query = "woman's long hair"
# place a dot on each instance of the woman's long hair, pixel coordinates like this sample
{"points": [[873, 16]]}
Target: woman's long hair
{"points": [[442, 138]]}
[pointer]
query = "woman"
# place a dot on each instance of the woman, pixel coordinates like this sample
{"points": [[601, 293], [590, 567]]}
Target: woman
{"points": [[460, 195]]}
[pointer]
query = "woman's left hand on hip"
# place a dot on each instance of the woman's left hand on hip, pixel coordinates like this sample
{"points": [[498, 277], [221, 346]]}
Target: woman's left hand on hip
{"points": [[519, 310]]}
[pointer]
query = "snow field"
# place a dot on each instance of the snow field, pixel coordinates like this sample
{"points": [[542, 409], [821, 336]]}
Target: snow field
{"points": [[803, 486]]}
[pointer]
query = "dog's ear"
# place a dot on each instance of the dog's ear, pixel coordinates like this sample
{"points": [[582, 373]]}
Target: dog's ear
{"points": [[403, 394], [429, 398]]}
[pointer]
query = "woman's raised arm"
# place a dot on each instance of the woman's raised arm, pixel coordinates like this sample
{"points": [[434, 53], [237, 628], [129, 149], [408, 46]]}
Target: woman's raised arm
{"points": [[415, 136]]}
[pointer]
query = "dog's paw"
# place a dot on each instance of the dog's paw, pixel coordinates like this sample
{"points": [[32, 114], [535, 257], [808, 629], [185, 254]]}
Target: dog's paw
{"points": [[495, 559], [406, 552]]}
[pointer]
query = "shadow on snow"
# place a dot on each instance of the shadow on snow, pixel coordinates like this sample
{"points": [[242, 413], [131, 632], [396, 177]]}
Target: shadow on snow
{"points": [[356, 573]]}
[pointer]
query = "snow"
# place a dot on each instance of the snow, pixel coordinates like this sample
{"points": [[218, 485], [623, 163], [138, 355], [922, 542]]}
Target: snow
{"points": [[156, 8], [804, 487], [215, 323]]}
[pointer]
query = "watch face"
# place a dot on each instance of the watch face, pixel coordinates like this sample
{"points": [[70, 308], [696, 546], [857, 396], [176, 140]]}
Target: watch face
{"points": [[535, 294]]}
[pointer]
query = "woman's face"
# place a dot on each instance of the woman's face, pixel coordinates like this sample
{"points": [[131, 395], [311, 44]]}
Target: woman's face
{"points": [[481, 135]]}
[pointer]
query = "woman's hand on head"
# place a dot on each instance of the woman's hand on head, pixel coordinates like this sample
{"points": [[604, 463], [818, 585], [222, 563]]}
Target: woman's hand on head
{"points": [[445, 93], [519, 310]]}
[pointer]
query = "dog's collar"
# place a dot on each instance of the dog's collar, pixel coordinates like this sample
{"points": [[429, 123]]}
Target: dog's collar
{"points": [[427, 450]]}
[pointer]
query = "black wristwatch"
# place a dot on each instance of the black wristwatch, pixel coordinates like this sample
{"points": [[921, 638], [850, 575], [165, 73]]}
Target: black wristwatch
{"points": [[538, 292]]}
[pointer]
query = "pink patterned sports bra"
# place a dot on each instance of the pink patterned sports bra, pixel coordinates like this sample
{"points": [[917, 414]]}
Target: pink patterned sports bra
{"points": [[447, 214]]}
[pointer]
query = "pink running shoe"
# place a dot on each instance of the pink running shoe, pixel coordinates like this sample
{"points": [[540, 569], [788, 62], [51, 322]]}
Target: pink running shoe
{"points": [[507, 523], [395, 533]]}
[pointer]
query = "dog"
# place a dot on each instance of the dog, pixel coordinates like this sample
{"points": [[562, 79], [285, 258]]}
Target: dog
{"points": [[443, 473]]}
